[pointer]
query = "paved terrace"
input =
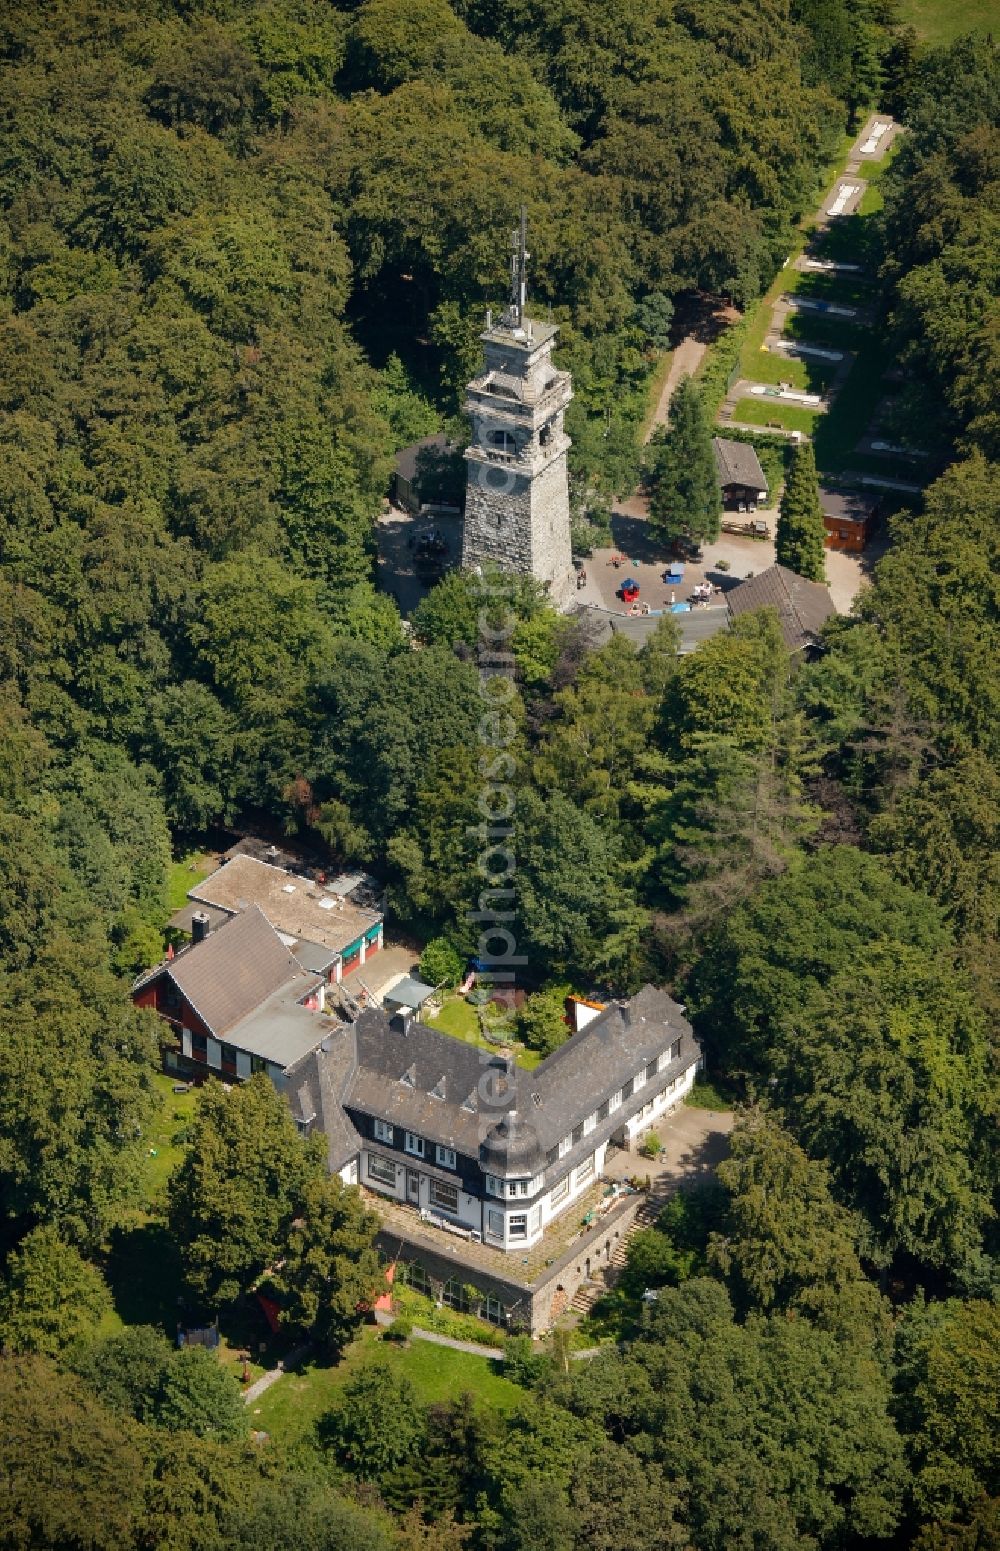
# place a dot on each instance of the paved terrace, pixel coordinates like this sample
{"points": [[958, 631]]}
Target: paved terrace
{"points": [[563, 1235]]}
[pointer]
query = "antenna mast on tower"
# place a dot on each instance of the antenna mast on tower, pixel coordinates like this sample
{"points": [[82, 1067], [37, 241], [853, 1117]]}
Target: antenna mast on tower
{"points": [[519, 271]]}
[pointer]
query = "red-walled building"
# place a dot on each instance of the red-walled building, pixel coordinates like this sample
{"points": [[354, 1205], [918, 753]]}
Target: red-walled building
{"points": [[235, 1002]]}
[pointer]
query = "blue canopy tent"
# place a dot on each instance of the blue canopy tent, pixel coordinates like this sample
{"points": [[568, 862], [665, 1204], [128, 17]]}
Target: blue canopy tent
{"points": [[674, 572]]}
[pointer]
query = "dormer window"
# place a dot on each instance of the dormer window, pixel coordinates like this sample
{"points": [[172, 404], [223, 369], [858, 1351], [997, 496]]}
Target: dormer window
{"points": [[409, 1077], [565, 1145], [414, 1144], [439, 1088], [675, 1050], [383, 1132]]}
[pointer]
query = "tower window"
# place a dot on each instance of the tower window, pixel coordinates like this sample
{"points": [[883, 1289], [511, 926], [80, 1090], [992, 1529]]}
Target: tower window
{"points": [[545, 435], [503, 440]]}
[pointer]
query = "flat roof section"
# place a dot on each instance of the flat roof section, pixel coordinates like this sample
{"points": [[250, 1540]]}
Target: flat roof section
{"points": [[296, 906]]}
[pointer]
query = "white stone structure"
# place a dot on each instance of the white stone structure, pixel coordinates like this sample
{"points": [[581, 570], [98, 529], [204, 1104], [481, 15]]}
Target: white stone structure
{"points": [[517, 492]]}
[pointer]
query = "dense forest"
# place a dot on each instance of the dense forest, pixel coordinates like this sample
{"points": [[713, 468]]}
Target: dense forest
{"points": [[245, 253]]}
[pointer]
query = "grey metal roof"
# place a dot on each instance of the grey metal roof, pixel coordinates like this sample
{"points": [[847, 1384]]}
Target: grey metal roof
{"points": [[408, 992], [313, 956], [235, 970], [702, 623], [281, 1029], [803, 607], [737, 463]]}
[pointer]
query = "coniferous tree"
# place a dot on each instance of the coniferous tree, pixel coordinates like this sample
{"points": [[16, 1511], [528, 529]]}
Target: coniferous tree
{"points": [[686, 499], [801, 534]]}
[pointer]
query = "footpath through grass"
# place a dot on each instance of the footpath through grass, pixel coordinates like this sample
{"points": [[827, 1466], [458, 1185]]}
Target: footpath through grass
{"points": [[290, 1408]]}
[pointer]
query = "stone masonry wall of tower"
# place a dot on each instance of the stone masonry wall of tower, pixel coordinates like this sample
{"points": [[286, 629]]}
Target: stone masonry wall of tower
{"points": [[517, 492]]}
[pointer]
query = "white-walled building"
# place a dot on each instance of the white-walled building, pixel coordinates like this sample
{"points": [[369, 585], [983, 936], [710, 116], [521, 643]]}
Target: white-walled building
{"points": [[472, 1142]]}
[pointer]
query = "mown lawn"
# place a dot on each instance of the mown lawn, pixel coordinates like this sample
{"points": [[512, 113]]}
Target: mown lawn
{"points": [[183, 874], [941, 21], [761, 411], [166, 1139], [819, 328], [774, 366], [292, 1406], [461, 1020]]}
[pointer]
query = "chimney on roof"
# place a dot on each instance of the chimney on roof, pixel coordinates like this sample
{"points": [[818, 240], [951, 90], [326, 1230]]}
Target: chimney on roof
{"points": [[200, 926]]}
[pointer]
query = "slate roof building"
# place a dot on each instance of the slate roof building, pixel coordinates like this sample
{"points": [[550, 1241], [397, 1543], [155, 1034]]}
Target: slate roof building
{"points": [[235, 1002], [803, 607], [472, 1140], [483, 1174], [741, 478]]}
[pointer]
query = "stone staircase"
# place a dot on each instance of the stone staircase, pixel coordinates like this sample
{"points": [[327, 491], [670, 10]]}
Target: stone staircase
{"points": [[588, 1293]]}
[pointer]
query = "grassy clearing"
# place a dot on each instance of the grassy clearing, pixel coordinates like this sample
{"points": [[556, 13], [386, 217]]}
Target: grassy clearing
{"points": [[942, 21], [290, 1409], [461, 1020], [766, 412], [185, 873], [823, 287], [773, 366], [838, 432], [166, 1138]]}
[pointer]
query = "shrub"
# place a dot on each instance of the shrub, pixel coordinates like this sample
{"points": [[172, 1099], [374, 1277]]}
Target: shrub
{"points": [[400, 1330], [441, 963], [651, 1146]]}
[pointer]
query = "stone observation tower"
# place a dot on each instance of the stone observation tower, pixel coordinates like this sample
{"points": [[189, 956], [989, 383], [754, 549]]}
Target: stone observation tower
{"points": [[517, 495]]}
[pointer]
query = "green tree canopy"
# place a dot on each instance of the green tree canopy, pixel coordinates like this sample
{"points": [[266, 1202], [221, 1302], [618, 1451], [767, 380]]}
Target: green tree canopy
{"points": [[50, 1297], [241, 1184], [685, 498], [330, 1269], [801, 536]]}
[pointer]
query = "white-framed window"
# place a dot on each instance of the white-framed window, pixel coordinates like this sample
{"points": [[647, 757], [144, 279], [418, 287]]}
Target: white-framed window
{"points": [[444, 1195], [586, 1170], [446, 1157], [383, 1132], [413, 1144], [494, 1186], [517, 1225], [675, 1050], [589, 1123], [615, 1102], [559, 1191], [494, 1222], [381, 1170], [565, 1145]]}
